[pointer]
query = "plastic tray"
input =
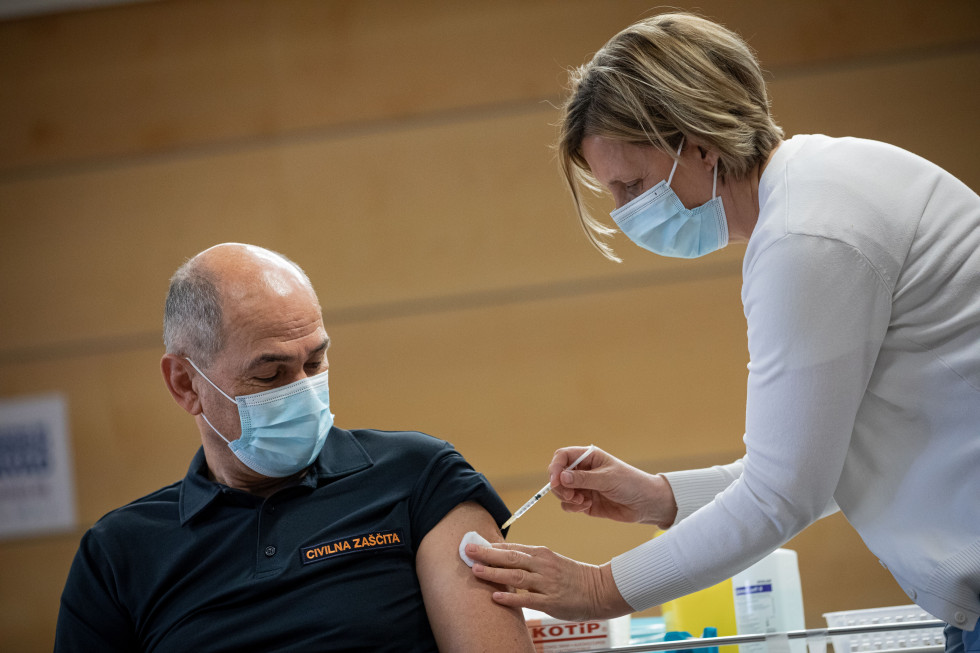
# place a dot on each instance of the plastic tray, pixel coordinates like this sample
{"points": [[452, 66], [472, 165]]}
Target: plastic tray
{"points": [[884, 640]]}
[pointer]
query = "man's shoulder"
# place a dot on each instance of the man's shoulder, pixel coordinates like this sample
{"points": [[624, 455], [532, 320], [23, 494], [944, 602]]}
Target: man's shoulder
{"points": [[379, 439], [410, 453], [382, 445], [158, 506]]}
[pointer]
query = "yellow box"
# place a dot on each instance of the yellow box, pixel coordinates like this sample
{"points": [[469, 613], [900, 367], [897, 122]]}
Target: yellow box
{"points": [[711, 607]]}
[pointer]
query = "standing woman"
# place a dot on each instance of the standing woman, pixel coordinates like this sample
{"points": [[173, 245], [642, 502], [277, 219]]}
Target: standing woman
{"points": [[861, 290]]}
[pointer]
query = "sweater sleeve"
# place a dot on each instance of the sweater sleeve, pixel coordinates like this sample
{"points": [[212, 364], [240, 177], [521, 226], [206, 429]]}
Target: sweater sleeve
{"points": [[817, 311], [695, 488]]}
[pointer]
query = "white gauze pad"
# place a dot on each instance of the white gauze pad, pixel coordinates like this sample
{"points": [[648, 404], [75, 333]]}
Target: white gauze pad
{"points": [[470, 538]]}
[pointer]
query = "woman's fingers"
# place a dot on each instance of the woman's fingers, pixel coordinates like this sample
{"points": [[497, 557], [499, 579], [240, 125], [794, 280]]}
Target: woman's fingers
{"points": [[562, 492], [502, 552], [532, 568], [504, 563], [530, 600], [516, 578], [552, 583], [578, 503], [565, 457], [513, 599]]}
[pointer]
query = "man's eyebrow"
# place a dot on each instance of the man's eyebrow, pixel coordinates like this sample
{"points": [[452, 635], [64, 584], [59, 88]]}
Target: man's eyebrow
{"points": [[324, 346], [266, 358], [261, 359]]}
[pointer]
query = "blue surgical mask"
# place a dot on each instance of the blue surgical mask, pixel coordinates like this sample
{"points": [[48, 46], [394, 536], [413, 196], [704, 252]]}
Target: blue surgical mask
{"points": [[283, 429], [657, 221]]}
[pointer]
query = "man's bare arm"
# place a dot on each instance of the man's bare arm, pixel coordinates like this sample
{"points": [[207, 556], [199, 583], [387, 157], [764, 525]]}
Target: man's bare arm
{"points": [[462, 614]]}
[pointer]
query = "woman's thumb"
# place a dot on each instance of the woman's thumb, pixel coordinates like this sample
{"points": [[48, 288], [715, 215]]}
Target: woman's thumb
{"points": [[579, 479]]}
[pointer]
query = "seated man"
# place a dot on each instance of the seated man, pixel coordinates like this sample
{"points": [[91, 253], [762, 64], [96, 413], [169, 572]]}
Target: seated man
{"points": [[287, 533]]}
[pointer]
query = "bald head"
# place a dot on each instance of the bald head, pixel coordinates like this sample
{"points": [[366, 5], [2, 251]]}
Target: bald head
{"points": [[209, 290]]}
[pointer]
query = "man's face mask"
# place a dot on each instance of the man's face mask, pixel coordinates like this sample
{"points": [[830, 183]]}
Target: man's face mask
{"points": [[283, 429], [658, 222]]}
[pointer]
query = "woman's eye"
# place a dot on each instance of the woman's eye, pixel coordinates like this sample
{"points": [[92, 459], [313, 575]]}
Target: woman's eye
{"points": [[633, 187]]}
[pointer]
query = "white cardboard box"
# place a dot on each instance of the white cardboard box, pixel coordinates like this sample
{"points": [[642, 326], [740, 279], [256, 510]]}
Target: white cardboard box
{"points": [[552, 635]]}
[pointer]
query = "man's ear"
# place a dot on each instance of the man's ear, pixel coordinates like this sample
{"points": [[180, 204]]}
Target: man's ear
{"points": [[177, 375]]}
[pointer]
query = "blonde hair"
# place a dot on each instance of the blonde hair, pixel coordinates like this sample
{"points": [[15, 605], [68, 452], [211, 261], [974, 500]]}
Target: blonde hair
{"points": [[663, 78]]}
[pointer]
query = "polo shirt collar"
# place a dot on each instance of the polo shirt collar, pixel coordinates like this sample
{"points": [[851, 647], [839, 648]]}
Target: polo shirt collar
{"points": [[197, 490], [342, 455]]}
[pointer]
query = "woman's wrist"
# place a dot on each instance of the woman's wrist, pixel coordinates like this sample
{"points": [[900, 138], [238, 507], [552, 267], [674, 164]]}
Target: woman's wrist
{"points": [[662, 505], [609, 602]]}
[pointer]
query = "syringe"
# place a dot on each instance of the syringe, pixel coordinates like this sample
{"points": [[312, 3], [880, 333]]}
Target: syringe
{"points": [[545, 490]]}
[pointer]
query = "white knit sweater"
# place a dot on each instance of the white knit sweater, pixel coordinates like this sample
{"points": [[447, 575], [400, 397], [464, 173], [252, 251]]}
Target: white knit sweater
{"points": [[861, 289]]}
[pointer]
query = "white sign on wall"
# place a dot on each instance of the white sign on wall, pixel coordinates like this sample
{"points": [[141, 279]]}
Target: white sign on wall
{"points": [[37, 488]]}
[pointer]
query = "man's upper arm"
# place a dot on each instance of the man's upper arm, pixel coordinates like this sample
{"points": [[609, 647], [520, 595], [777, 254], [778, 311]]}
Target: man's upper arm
{"points": [[90, 618], [461, 611]]}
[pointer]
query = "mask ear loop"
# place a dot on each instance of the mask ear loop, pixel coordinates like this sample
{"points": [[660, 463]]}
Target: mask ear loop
{"points": [[209, 380], [714, 183], [227, 441], [672, 170]]}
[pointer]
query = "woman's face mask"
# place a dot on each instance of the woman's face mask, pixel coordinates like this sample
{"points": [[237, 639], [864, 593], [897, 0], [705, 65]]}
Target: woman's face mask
{"points": [[657, 221]]}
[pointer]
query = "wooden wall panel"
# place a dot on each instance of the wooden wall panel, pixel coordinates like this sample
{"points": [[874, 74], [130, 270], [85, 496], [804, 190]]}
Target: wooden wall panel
{"points": [[98, 242], [529, 377], [33, 574], [385, 214], [129, 437], [926, 105], [381, 216], [164, 75]]}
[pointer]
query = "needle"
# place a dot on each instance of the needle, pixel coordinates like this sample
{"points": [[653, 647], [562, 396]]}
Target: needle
{"points": [[543, 491]]}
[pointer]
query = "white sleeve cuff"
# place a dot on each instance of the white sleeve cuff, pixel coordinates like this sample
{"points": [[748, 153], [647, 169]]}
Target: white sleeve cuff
{"points": [[647, 575]]}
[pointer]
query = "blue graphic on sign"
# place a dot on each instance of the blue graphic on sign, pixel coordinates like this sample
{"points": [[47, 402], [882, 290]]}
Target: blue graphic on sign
{"points": [[24, 450]]}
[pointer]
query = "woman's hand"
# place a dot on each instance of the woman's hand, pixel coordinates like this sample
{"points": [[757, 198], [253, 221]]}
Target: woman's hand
{"points": [[554, 584], [604, 486]]}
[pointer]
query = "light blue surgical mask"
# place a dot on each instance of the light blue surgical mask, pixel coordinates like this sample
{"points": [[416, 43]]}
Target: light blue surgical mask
{"points": [[283, 429], [657, 221]]}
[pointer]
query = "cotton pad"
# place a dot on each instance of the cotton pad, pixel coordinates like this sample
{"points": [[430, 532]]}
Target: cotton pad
{"points": [[470, 538]]}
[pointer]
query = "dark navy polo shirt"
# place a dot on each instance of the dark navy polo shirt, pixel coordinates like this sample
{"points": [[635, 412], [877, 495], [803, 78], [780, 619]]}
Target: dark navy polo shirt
{"points": [[328, 564]]}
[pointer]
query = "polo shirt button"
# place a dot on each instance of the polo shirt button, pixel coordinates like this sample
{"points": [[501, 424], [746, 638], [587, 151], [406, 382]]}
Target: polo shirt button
{"points": [[270, 551], [959, 617]]}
